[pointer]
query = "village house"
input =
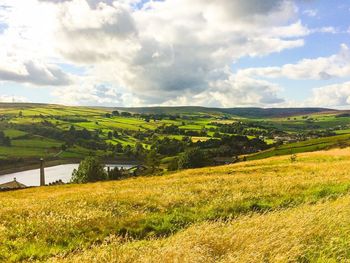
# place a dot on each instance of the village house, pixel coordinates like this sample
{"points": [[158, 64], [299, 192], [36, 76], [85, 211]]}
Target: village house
{"points": [[13, 185]]}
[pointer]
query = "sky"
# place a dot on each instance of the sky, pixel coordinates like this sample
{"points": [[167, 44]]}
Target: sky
{"points": [[214, 53]]}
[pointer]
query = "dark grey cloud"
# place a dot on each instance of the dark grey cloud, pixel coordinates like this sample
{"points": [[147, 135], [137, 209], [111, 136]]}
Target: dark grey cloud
{"points": [[249, 7], [37, 75]]}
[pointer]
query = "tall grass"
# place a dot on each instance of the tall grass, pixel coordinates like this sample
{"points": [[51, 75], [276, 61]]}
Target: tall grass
{"points": [[309, 233], [137, 215]]}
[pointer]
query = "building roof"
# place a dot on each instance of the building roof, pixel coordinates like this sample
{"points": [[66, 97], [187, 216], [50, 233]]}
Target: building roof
{"points": [[12, 185]]}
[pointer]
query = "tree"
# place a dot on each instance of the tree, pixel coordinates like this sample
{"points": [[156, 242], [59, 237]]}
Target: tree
{"points": [[4, 140], [64, 147], [7, 141], [90, 170], [119, 147], [173, 165], [110, 135], [193, 158], [126, 114], [216, 135], [115, 113], [128, 151], [139, 149], [152, 160], [115, 174]]}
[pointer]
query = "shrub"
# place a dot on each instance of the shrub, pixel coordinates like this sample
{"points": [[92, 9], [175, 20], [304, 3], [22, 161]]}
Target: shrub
{"points": [[152, 160], [173, 164], [115, 174], [293, 158], [193, 158], [90, 170]]}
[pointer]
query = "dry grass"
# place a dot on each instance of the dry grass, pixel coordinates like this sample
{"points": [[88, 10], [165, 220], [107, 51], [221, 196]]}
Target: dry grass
{"points": [[271, 208], [309, 233]]}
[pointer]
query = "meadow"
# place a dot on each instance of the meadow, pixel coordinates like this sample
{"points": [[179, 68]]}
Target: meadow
{"points": [[92, 119], [311, 145], [270, 210], [189, 119]]}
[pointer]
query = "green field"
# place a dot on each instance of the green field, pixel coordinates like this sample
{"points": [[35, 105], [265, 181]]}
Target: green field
{"points": [[199, 124], [304, 146], [14, 133]]}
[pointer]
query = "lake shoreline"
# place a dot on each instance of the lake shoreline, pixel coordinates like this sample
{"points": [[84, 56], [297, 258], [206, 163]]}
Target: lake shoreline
{"points": [[31, 166], [51, 163], [53, 173]]}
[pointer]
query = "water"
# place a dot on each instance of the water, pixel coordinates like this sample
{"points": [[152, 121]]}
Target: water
{"points": [[52, 174]]}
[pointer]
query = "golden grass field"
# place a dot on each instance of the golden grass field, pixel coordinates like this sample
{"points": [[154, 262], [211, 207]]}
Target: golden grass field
{"points": [[271, 210]]}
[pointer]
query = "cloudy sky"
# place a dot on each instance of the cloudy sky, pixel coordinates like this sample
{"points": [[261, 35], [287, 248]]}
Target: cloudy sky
{"points": [[222, 53]]}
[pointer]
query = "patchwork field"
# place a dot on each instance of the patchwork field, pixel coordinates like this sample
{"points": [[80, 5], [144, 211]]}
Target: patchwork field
{"points": [[116, 137], [304, 146], [271, 210]]}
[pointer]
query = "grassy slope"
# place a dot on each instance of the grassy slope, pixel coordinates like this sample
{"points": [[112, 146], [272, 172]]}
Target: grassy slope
{"points": [[303, 146], [272, 210], [242, 112], [309, 233], [319, 121], [94, 119]]}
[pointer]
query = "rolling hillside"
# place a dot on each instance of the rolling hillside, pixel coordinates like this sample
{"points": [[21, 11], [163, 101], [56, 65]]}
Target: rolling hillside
{"points": [[66, 134], [271, 210], [239, 112], [303, 146]]}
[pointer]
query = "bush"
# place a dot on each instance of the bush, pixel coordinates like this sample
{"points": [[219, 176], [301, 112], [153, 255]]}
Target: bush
{"points": [[152, 160], [173, 164], [4, 140], [115, 174], [193, 158], [90, 170]]}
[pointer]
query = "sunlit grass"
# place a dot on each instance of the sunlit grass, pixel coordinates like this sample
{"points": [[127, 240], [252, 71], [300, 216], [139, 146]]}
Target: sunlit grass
{"points": [[149, 218], [309, 233], [303, 146]]}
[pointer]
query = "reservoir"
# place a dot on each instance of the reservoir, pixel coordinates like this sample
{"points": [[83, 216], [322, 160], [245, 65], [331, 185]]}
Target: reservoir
{"points": [[60, 172]]}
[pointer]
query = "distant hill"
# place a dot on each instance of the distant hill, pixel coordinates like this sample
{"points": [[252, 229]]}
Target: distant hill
{"points": [[240, 112], [274, 112], [249, 112], [22, 105]]}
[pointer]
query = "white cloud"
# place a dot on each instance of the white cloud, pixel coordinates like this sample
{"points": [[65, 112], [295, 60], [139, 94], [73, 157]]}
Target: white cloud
{"points": [[337, 65], [26, 53], [328, 29], [336, 95], [83, 95], [235, 91], [172, 47], [166, 51]]}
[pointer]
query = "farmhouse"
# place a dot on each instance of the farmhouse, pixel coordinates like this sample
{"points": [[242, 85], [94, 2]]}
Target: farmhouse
{"points": [[13, 185]]}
